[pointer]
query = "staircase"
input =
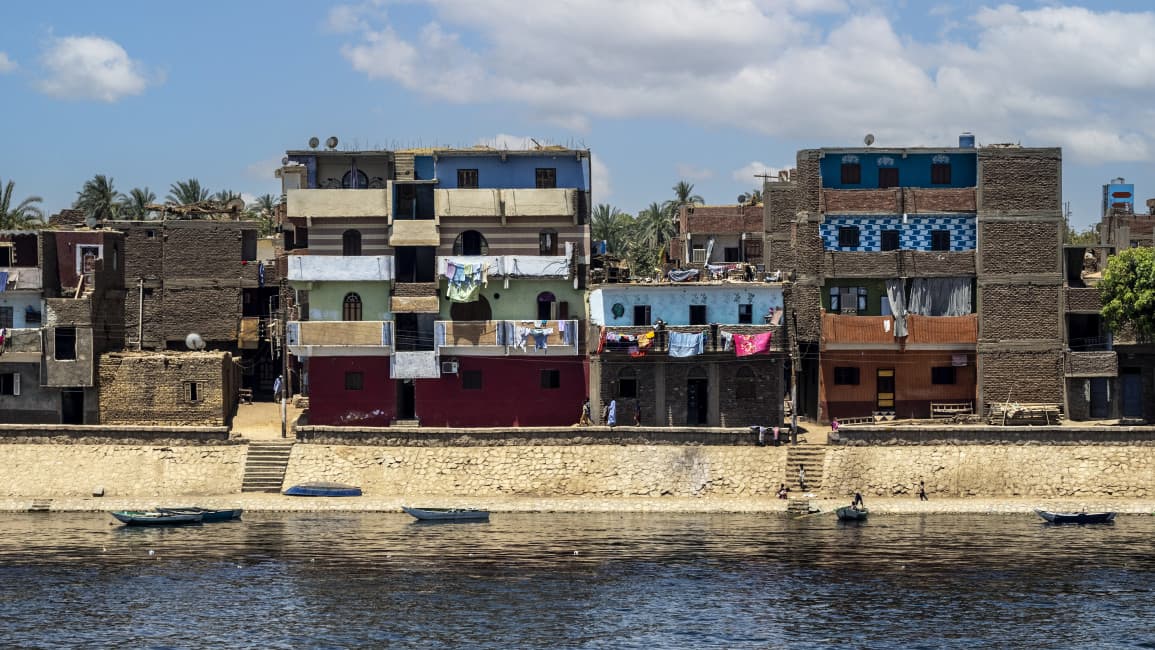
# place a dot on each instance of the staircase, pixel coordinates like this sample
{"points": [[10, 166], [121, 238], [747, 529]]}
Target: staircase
{"points": [[265, 465], [810, 457]]}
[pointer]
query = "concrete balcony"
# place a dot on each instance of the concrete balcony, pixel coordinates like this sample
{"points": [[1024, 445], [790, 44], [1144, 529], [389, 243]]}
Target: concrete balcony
{"points": [[552, 202], [337, 268], [489, 338], [942, 332], [416, 232], [1091, 364], [844, 331], [1084, 300], [340, 338], [623, 340], [337, 203]]}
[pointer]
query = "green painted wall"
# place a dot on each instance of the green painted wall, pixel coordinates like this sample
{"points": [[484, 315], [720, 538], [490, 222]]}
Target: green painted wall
{"points": [[519, 301], [875, 290], [327, 298]]}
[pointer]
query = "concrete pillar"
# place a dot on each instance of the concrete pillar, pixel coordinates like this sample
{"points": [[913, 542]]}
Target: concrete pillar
{"points": [[661, 417], [714, 384], [596, 389]]}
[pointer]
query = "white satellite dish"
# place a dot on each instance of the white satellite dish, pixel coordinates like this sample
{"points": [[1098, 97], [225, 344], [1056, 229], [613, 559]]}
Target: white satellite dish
{"points": [[194, 341], [313, 142], [331, 142], [868, 140]]}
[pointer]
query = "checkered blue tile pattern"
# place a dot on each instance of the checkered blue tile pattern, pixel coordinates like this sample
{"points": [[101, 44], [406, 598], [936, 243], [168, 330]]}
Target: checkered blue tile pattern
{"points": [[915, 234]]}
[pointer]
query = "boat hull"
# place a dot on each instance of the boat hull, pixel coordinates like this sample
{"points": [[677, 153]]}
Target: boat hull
{"points": [[154, 518], [846, 513], [1077, 517], [323, 490], [207, 514], [447, 514]]}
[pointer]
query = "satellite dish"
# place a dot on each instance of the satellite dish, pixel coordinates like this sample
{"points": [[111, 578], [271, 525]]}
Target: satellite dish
{"points": [[331, 142], [284, 161], [868, 140], [90, 221], [313, 142], [194, 341], [742, 198]]}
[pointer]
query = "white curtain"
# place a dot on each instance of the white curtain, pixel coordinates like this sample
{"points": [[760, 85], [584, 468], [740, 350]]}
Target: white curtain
{"points": [[895, 294], [940, 296]]}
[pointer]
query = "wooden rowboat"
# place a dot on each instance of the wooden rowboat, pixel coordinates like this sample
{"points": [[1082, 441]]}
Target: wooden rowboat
{"points": [[447, 514], [154, 518], [1077, 517], [207, 514], [323, 490], [847, 513]]}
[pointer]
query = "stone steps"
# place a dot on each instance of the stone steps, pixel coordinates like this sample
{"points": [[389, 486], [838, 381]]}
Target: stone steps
{"points": [[812, 458], [265, 466]]}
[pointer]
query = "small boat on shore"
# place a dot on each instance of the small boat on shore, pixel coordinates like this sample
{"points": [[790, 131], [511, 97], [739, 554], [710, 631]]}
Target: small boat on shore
{"points": [[847, 513], [207, 514], [1076, 517], [155, 518], [323, 489], [447, 514]]}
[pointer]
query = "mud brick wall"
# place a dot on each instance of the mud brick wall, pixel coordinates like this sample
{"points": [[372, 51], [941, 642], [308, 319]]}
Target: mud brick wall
{"points": [[1020, 179], [144, 255], [67, 311], [780, 205], [1022, 375], [724, 219], [805, 301], [414, 289], [1019, 311], [926, 200], [840, 201], [809, 179], [1092, 364], [1020, 247], [938, 264], [839, 264], [212, 312], [151, 388], [644, 371], [1084, 300], [765, 407], [203, 249]]}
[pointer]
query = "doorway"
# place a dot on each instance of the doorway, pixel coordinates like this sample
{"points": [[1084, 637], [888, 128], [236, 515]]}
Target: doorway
{"points": [[1132, 389], [885, 389], [1100, 399], [697, 399], [406, 400], [72, 406]]}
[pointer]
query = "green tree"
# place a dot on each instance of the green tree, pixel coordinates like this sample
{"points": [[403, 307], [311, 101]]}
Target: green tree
{"points": [[186, 192], [224, 196], [1090, 236], [267, 203], [612, 225], [99, 198], [756, 197], [134, 204], [684, 195], [264, 211], [1128, 292], [25, 215]]}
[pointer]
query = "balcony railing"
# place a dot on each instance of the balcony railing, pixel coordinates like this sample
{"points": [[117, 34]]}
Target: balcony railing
{"points": [[551, 202], [636, 340], [337, 268], [942, 330], [513, 266], [926, 332], [340, 338], [337, 203], [529, 337]]}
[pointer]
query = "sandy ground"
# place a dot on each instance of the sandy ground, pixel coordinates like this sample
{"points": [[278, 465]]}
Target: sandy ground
{"points": [[262, 420]]}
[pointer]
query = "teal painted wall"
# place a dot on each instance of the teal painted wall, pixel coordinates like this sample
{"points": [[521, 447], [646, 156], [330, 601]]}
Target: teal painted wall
{"points": [[519, 301], [672, 304]]}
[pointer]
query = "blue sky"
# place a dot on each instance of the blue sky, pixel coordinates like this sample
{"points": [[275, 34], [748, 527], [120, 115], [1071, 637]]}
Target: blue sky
{"points": [[710, 92]]}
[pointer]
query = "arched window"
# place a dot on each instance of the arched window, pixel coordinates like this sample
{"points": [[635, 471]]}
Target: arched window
{"points": [[545, 303], [351, 310], [354, 179], [547, 242], [744, 383], [470, 242], [627, 384], [351, 243]]}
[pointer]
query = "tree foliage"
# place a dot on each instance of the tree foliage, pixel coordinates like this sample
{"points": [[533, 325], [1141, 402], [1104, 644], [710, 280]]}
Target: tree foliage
{"points": [[613, 226], [1128, 292], [133, 205], [24, 215], [99, 198], [186, 192]]}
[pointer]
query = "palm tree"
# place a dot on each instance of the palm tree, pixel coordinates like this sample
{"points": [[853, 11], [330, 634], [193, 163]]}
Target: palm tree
{"points": [[224, 196], [133, 206], [99, 198], [611, 225], [267, 203], [656, 228], [25, 215], [684, 195], [186, 192]]}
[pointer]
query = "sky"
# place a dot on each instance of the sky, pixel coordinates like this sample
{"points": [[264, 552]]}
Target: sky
{"points": [[713, 92]]}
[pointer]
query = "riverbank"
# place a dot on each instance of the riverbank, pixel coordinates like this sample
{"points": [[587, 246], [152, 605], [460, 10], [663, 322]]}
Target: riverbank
{"points": [[258, 502]]}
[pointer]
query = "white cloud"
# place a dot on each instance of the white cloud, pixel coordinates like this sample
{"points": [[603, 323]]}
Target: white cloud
{"points": [[90, 67], [6, 64], [600, 187], [774, 67], [691, 172], [262, 170], [749, 174]]}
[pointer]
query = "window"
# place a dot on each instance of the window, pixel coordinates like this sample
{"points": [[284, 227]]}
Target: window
{"points": [[354, 380], [846, 376], [848, 237], [351, 309], [943, 375], [744, 383], [351, 243], [551, 379], [862, 299], [545, 177], [354, 179], [884, 307], [6, 316], [194, 391], [887, 177], [470, 242], [940, 174], [150, 234], [851, 173], [10, 384], [65, 343], [627, 384], [745, 314], [642, 316], [732, 254], [86, 257], [5, 255], [467, 178], [697, 314], [698, 254], [547, 242], [471, 379], [842, 299], [889, 240], [940, 240]]}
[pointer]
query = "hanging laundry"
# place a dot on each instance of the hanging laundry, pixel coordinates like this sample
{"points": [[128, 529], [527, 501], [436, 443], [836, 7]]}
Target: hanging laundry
{"points": [[541, 337], [745, 346], [686, 344], [727, 340]]}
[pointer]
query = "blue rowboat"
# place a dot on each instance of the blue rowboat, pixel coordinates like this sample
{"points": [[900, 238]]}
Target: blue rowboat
{"points": [[155, 518], [1077, 517], [207, 514], [847, 513], [323, 490], [447, 514]]}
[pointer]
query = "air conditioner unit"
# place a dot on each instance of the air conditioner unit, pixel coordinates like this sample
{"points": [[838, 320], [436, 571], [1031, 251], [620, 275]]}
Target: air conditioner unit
{"points": [[449, 367]]}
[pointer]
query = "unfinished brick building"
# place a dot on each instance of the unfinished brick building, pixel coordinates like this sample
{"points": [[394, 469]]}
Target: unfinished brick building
{"points": [[924, 281], [717, 234], [168, 389]]}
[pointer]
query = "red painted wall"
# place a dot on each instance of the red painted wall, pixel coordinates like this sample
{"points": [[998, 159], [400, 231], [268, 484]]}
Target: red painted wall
{"points": [[510, 394], [331, 404]]}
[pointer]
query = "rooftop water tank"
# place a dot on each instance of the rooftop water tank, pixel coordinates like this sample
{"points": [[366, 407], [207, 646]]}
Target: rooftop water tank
{"points": [[966, 140]]}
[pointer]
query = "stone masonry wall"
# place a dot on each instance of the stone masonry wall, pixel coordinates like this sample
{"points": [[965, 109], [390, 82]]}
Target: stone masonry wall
{"points": [[929, 200], [809, 179], [1020, 179], [1026, 246], [150, 388], [764, 408], [1019, 311], [1092, 364], [414, 289], [780, 205], [212, 312], [1084, 300], [1022, 376]]}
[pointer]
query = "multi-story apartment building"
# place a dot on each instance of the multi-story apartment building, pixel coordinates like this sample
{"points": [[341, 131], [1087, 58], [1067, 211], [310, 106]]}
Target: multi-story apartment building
{"points": [[923, 279], [718, 234], [440, 287]]}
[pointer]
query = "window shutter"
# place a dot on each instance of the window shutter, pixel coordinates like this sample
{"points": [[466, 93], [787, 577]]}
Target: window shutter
{"points": [[15, 383]]}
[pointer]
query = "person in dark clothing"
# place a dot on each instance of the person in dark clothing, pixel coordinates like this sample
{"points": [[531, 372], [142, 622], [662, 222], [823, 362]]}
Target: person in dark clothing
{"points": [[857, 504], [922, 491], [783, 490], [637, 413], [801, 477]]}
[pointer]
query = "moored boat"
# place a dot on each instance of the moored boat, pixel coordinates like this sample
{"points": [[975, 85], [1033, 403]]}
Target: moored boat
{"points": [[447, 514], [848, 513], [1076, 517], [207, 514], [323, 489], [155, 518]]}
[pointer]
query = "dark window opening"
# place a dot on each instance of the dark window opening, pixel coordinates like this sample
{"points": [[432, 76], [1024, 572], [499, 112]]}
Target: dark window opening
{"points": [[627, 385], [940, 174], [887, 177], [471, 379], [889, 240], [848, 237], [193, 391], [940, 240], [642, 316], [846, 376], [150, 234], [551, 379], [9, 383], [7, 317], [943, 375], [698, 314], [415, 263], [65, 343], [467, 178], [732, 254], [545, 177], [547, 242], [745, 314], [470, 242], [351, 243], [351, 309], [354, 179], [851, 173], [5, 256], [354, 380], [744, 384]]}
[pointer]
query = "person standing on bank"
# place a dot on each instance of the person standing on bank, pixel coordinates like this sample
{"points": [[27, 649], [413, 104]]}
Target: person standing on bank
{"points": [[584, 421], [801, 477], [612, 413], [922, 491]]}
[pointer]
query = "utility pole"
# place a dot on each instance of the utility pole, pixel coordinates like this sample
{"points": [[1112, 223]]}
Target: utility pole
{"points": [[794, 360], [286, 380]]}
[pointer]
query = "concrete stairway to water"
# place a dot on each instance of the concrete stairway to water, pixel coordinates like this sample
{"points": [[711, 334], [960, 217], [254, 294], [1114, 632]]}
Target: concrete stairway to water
{"points": [[811, 457], [265, 465]]}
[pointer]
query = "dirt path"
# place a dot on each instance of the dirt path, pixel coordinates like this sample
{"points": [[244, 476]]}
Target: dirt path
{"points": [[261, 420]]}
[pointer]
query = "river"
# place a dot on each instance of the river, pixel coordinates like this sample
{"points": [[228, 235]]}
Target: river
{"points": [[341, 580]]}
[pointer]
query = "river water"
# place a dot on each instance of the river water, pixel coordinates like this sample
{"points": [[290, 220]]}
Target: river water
{"points": [[340, 580]]}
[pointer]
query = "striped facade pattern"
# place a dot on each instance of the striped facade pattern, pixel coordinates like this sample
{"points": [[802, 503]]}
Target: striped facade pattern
{"points": [[325, 236], [914, 235], [519, 236]]}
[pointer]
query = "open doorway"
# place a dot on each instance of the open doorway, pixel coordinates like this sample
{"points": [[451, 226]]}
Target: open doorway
{"points": [[72, 406], [406, 400], [697, 397]]}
